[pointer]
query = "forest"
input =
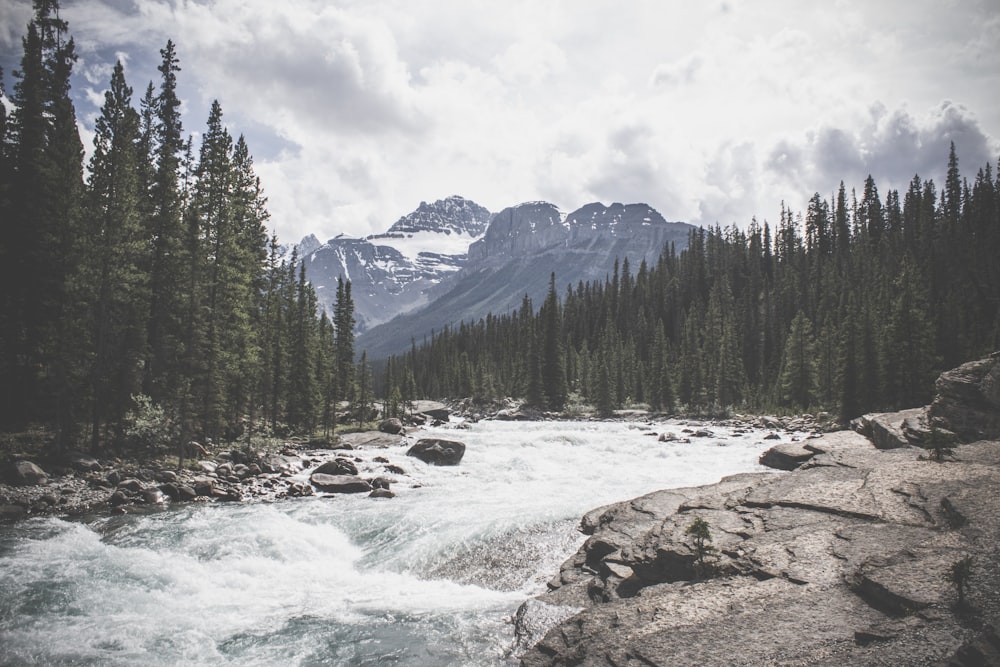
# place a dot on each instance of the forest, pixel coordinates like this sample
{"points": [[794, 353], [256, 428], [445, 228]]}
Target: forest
{"points": [[144, 302], [853, 307]]}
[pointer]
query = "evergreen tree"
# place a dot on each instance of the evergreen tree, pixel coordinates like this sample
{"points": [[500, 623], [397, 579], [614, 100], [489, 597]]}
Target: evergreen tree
{"points": [[553, 365], [798, 375], [118, 298]]}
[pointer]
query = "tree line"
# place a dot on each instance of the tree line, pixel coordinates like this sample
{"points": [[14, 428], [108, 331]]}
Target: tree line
{"points": [[854, 306], [148, 280]]}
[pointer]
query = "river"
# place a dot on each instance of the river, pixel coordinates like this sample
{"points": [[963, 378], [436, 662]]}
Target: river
{"points": [[431, 577]]}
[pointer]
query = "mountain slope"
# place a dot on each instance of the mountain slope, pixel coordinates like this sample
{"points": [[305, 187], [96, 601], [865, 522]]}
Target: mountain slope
{"points": [[392, 273], [522, 246]]}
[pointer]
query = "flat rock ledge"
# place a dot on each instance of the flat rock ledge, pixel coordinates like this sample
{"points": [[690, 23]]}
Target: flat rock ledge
{"points": [[844, 560]]}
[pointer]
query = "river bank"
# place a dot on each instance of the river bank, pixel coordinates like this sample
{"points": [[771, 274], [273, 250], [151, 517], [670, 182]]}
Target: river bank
{"points": [[852, 557]]}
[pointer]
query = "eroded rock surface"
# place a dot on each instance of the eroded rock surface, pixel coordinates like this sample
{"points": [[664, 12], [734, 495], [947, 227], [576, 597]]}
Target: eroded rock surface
{"points": [[844, 560]]}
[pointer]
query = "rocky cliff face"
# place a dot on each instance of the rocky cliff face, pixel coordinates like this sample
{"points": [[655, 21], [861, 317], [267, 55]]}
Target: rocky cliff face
{"points": [[847, 559], [520, 249], [393, 273]]}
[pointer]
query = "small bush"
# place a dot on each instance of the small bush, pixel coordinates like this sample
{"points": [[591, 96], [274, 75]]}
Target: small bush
{"points": [[149, 427]]}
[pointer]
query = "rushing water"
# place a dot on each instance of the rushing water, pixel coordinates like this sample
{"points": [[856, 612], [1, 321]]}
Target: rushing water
{"points": [[430, 577]]}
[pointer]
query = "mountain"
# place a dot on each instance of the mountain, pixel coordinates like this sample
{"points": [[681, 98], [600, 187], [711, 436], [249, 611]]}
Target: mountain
{"points": [[392, 273], [515, 256]]}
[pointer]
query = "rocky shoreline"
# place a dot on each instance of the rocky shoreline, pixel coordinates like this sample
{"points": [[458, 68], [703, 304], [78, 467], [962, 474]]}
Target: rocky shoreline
{"points": [[848, 558]]}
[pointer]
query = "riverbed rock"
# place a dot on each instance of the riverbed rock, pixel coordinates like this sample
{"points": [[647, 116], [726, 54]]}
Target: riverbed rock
{"points": [[339, 466], [25, 473], [339, 483], [392, 426], [437, 451], [381, 493], [844, 560]]}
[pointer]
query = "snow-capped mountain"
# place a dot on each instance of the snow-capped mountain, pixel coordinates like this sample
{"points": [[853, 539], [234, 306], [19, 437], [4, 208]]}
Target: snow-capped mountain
{"points": [[521, 247], [392, 273]]}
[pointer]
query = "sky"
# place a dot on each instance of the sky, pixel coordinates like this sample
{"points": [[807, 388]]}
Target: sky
{"points": [[711, 112]]}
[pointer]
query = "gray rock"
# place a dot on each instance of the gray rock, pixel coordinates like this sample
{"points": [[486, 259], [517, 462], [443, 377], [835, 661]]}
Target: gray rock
{"points": [[437, 451], [81, 461], [968, 399], [841, 561], [26, 473], [338, 466], [392, 426], [381, 493], [786, 456], [432, 410], [886, 429], [339, 483]]}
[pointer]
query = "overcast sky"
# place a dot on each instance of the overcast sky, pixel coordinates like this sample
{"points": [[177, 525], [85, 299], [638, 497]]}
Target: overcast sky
{"points": [[357, 110]]}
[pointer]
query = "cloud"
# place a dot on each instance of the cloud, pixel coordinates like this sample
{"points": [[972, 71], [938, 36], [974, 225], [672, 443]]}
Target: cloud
{"points": [[678, 73], [892, 146]]}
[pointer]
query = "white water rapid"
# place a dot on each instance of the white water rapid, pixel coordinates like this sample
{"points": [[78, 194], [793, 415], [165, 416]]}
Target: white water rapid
{"points": [[430, 577]]}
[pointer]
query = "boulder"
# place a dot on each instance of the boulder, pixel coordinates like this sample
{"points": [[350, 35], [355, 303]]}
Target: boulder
{"points": [[380, 483], [81, 461], [203, 486], [968, 400], [432, 410], [392, 426], [786, 456], [381, 493], [277, 463], [886, 429], [338, 466], [131, 484], [26, 473], [339, 483], [437, 451]]}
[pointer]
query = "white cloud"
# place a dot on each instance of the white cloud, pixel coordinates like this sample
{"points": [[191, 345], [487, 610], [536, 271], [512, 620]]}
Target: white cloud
{"points": [[359, 109]]}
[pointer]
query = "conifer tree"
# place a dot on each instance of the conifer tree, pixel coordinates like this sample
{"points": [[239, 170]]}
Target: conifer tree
{"points": [[118, 297]]}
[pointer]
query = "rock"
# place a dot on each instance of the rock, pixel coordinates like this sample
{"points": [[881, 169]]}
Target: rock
{"points": [[203, 486], [337, 466], [886, 429], [702, 433], [339, 483], [394, 469], [840, 561], [118, 498], [81, 461], [206, 466], [26, 473], [152, 496], [772, 436], [113, 478], [787, 456], [131, 484], [437, 451], [253, 470], [968, 400], [12, 513], [432, 410], [298, 490], [164, 476], [277, 463], [224, 470], [381, 493], [392, 426], [380, 483], [667, 436]]}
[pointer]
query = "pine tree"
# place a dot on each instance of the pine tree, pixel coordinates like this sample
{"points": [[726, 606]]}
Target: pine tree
{"points": [[118, 298], [553, 364], [798, 375]]}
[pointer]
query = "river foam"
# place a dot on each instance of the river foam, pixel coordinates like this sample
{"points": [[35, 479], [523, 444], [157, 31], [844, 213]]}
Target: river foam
{"points": [[429, 577]]}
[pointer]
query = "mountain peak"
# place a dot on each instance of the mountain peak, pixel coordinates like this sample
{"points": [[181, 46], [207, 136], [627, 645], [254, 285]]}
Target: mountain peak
{"points": [[452, 214]]}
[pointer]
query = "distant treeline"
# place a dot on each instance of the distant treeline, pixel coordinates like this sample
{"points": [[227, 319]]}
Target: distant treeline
{"points": [[855, 306], [147, 294]]}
